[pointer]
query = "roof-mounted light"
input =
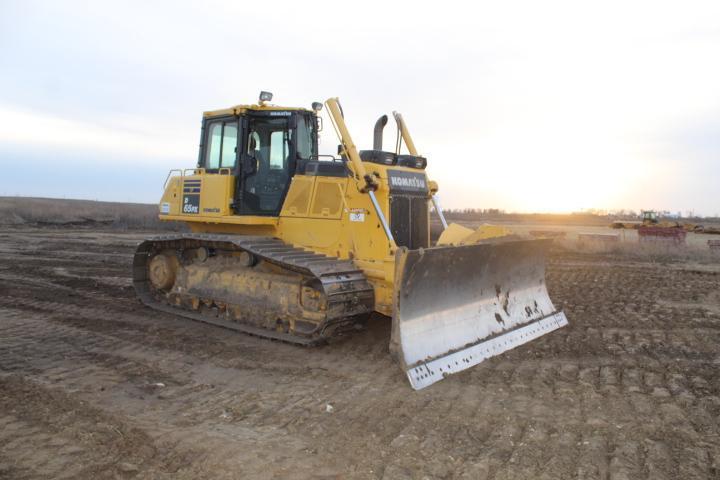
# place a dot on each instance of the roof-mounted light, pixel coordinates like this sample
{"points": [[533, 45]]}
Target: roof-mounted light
{"points": [[317, 106], [265, 97]]}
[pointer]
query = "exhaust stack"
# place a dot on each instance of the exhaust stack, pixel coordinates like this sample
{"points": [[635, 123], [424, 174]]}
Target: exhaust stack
{"points": [[378, 132]]}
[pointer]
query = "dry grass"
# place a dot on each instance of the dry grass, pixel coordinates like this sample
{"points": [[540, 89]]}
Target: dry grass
{"points": [[627, 247], [658, 251], [575, 219], [52, 212]]}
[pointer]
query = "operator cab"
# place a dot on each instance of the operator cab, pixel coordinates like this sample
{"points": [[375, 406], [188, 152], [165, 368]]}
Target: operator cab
{"points": [[649, 217], [263, 146]]}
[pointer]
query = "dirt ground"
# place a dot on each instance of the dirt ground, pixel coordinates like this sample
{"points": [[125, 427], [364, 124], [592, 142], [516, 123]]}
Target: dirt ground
{"points": [[94, 385]]}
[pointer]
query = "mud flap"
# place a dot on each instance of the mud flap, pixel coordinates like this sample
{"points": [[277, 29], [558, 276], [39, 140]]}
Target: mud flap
{"points": [[456, 306]]}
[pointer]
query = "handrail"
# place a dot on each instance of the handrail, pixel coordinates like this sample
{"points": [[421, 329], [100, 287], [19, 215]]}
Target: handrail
{"points": [[167, 179], [194, 171]]}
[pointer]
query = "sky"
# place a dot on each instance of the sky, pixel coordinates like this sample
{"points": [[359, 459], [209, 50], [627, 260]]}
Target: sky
{"points": [[520, 105]]}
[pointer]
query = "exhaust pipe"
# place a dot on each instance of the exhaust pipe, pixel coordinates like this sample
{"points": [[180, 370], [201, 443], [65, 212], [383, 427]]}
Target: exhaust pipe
{"points": [[378, 132]]}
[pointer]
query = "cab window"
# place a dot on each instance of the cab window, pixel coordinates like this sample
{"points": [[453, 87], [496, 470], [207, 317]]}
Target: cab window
{"points": [[278, 149], [212, 158], [221, 145], [229, 145], [305, 133]]}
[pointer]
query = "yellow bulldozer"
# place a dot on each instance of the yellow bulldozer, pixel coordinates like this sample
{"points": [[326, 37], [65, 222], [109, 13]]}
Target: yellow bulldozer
{"points": [[293, 245]]}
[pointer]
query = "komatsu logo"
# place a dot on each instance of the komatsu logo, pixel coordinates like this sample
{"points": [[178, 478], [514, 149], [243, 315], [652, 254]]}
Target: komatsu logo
{"points": [[412, 183], [407, 182]]}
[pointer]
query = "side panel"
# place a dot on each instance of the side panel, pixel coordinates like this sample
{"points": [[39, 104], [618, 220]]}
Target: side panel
{"points": [[297, 201], [195, 196], [216, 195], [315, 197], [321, 235], [172, 197], [328, 197]]}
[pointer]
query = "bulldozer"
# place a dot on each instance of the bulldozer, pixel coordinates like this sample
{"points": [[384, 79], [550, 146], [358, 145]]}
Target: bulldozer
{"points": [[292, 245]]}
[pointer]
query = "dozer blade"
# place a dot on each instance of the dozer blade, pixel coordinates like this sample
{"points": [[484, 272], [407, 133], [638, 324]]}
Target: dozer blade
{"points": [[457, 306]]}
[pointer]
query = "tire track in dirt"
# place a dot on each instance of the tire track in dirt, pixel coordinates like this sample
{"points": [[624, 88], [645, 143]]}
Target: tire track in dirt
{"points": [[628, 390], [110, 380], [49, 434]]}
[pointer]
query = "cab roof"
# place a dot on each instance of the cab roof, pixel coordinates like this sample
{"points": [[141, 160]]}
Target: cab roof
{"points": [[241, 109]]}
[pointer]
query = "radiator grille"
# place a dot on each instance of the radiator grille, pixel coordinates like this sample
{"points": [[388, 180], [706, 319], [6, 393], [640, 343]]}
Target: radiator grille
{"points": [[409, 221]]}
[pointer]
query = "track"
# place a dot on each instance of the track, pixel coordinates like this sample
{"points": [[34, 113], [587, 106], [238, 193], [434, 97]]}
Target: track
{"points": [[95, 385], [348, 293]]}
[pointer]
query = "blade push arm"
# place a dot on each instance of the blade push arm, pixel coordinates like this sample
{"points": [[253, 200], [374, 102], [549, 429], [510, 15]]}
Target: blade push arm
{"points": [[366, 183]]}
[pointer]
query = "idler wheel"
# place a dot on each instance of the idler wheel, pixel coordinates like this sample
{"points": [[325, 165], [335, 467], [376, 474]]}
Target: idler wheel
{"points": [[162, 271]]}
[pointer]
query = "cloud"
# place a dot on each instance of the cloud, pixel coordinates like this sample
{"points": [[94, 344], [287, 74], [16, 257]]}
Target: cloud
{"points": [[42, 131], [520, 105]]}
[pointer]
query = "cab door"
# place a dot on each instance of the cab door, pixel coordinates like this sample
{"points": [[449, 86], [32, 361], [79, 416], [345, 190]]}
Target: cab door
{"points": [[268, 162]]}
